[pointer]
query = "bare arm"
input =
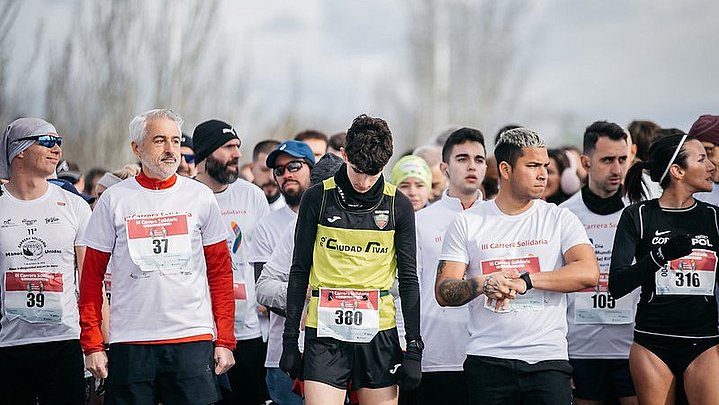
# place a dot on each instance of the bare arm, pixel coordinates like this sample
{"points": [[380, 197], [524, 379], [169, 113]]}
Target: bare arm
{"points": [[452, 289], [580, 271]]}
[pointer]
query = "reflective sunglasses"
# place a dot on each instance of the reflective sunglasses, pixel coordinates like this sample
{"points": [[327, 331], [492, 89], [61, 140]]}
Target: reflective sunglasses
{"points": [[48, 141], [189, 159], [292, 167]]}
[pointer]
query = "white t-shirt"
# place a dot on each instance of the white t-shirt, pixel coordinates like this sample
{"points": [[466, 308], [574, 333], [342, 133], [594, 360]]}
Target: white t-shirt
{"points": [[37, 260], [159, 273], [241, 204], [278, 203], [272, 291], [268, 232], [535, 327], [444, 329], [711, 197], [600, 327]]}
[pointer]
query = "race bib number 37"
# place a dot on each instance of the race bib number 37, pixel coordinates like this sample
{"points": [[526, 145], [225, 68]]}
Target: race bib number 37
{"points": [[693, 274], [160, 242], [35, 297], [348, 315]]}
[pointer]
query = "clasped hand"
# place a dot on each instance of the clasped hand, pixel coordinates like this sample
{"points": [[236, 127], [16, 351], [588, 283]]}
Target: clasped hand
{"points": [[501, 287]]}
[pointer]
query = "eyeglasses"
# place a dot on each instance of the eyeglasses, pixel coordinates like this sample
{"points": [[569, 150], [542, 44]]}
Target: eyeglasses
{"points": [[292, 167], [48, 141], [189, 159]]}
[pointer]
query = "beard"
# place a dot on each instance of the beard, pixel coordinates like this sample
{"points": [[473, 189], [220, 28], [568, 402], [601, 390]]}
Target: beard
{"points": [[221, 172], [293, 198]]}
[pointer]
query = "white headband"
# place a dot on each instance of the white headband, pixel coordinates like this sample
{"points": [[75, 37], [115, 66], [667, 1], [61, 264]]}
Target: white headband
{"points": [[674, 156]]}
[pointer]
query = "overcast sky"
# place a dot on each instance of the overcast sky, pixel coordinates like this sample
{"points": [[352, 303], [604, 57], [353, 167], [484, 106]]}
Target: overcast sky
{"points": [[616, 60]]}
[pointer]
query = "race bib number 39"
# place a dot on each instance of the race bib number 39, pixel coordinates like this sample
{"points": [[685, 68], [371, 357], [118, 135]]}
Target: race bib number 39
{"points": [[596, 306], [35, 297], [348, 315], [160, 242], [693, 274], [512, 267]]}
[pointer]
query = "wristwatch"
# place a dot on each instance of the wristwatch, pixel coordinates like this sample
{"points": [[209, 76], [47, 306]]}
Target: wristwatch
{"points": [[417, 344], [528, 281]]}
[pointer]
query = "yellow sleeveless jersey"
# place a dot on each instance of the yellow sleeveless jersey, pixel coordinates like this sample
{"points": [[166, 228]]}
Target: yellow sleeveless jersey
{"points": [[355, 249]]}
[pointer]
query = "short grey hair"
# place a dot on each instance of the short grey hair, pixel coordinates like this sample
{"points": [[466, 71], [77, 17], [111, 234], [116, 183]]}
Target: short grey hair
{"points": [[432, 154], [521, 138], [139, 123]]}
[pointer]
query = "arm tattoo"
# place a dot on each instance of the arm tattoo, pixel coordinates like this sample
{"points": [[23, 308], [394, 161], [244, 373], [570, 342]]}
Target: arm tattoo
{"points": [[458, 292]]}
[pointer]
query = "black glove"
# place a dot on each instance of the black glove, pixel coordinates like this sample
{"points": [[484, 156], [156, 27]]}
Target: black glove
{"points": [[291, 360], [409, 374], [676, 247]]}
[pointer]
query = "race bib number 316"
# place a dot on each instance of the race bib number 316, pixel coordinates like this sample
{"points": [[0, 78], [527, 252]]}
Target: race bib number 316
{"points": [[348, 315], [693, 274]]}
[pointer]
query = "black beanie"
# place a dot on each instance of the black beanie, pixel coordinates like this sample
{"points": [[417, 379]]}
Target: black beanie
{"points": [[209, 136]]}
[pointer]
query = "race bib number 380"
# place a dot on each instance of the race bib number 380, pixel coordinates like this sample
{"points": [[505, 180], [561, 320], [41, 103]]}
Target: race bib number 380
{"points": [[348, 315], [35, 297], [693, 274], [160, 242]]}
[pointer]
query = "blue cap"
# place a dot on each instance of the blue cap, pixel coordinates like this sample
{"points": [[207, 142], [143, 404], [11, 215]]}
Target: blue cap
{"points": [[294, 148]]}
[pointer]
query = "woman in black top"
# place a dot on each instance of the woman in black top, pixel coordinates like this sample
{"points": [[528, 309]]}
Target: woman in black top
{"points": [[668, 247]]}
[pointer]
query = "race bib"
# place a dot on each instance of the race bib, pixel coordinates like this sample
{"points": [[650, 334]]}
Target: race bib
{"points": [[596, 306], [348, 315], [240, 292], [693, 274], [35, 297], [533, 299], [159, 243], [108, 287]]}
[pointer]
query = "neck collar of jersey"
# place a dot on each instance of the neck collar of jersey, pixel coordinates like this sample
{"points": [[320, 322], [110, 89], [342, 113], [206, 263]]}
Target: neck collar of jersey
{"points": [[155, 184], [602, 206], [353, 199], [455, 204]]}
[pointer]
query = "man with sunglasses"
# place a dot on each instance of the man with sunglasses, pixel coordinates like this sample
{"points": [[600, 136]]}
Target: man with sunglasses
{"points": [[291, 163], [354, 233], [172, 313], [217, 153], [40, 230], [187, 157]]}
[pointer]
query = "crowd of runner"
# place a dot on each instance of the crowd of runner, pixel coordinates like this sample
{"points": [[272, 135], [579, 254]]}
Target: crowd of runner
{"points": [[536, 275]]}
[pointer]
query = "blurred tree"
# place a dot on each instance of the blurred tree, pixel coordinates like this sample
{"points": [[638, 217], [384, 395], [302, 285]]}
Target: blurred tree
{"points": [[465, 62], [127, 56], [8, 14]]}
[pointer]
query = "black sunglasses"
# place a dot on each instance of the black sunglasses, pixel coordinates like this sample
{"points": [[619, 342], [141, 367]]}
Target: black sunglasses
{"points": [[48, 141], [189, 159], [292, 167]]}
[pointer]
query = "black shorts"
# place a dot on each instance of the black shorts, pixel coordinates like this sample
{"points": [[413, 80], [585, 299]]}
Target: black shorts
{"points": [[676, 352], [368, 365], [42, 373], [177, 373], [247, 376], [443, 387], [601, 379], [494, 381]]}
